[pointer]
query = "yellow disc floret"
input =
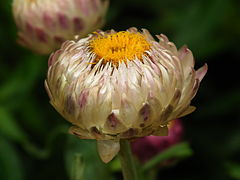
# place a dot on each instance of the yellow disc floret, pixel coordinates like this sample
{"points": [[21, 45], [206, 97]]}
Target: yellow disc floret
{"points": [[119, 47]]}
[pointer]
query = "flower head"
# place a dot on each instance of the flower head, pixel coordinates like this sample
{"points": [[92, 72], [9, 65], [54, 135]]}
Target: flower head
{"points": [[45, 24], [147, 147], [121, 85]]}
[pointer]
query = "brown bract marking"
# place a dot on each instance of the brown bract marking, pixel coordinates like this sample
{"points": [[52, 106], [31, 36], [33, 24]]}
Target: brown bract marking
{"points": [[112, 120], [145, 112], [59, 39], [166, 113], [78, 24], [129, 133], [29, 28], [63, 21], [41, 35], [142, 125], [69, 105], [96, 132], [83, 98], [48, 21]]}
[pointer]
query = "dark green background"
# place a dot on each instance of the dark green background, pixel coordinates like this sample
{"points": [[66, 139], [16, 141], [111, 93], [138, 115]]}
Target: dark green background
{"points": [[33, 138]]}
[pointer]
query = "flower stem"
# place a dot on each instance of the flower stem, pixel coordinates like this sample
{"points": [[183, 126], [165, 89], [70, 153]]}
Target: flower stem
{"points": [[127, 162], [78, 167]]}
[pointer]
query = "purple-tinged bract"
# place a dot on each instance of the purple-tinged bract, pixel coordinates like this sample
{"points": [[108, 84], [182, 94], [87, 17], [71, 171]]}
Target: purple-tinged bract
{"points": [[45, 24]]}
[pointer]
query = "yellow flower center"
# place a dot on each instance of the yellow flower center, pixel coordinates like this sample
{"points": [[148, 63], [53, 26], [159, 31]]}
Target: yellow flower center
{"points": [[119, 47]]}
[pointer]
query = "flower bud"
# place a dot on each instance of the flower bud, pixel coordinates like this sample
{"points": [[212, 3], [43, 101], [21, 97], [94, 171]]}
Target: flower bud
{"points": [[121, 85], [44, 24], [149, 146]]}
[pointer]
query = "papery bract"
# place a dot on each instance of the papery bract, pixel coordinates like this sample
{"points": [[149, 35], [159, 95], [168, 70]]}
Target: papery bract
{"points": [[121, 85], [45, 24]]}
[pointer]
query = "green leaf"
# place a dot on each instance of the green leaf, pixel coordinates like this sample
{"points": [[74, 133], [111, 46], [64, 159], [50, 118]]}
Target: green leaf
{"points": [[9, 126], [44, 153], [22, 79], [233, 170], [115, 165], [10, 166], [179, 151], [10, 129], [93, 166], [193, 27]]}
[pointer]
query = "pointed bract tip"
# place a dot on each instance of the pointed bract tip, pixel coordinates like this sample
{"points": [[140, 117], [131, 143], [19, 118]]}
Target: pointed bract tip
{"points": [[108, 149]]}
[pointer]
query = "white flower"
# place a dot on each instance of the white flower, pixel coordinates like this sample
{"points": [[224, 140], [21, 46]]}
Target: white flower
{"points": [[44, 24], [121, 85]]}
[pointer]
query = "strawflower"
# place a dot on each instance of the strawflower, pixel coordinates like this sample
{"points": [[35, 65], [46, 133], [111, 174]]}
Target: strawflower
{"points": [[121, 85], [45, 24]]}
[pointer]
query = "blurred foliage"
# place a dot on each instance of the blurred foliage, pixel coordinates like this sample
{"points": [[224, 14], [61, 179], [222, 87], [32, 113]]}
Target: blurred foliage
{"points": [[93, 166], [178, 151], [33, 138]]}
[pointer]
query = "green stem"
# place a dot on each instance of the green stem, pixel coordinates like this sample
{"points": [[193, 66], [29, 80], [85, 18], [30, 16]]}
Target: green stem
{"points": [[127, 162], [78, 167]]}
